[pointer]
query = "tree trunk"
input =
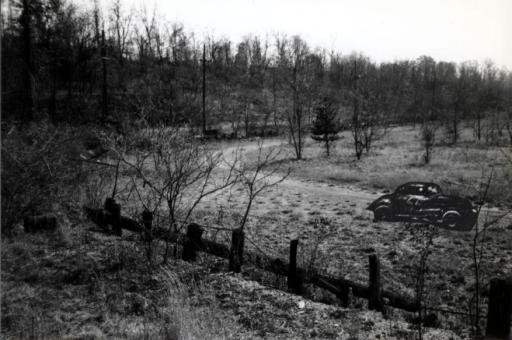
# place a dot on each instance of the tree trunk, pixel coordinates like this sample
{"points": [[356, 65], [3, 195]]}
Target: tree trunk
{"points": [[247, 209], [479, 126], [299, 133], [28, 74], [455, 128], [52, 105], [327, 146]]}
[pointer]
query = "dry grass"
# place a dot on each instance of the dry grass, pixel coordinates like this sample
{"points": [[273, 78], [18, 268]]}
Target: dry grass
{"points": [[398, 158], [81, 285], [321, 189], [97, 287], [195, 312]]}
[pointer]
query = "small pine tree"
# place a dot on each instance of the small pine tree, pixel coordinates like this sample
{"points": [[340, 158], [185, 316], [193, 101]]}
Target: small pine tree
{"points": [[326, 126]]}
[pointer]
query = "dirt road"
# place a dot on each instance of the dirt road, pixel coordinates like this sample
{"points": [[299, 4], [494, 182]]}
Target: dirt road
{"points": [[299, 195], [300, 198]]}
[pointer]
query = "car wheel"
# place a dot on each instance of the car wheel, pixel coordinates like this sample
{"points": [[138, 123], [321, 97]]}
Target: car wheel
{"points": [[382, 213], [450, 219]]}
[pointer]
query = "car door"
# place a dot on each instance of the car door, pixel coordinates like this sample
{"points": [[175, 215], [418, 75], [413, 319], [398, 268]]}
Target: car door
{"points": [[400, 202], [407, 199]]}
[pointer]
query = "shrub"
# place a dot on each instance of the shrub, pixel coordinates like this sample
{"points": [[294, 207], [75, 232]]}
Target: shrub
{"points": [[39, 168]]}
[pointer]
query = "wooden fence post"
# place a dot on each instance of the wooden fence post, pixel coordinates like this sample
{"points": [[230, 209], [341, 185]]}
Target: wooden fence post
{"points": [[147, 221], [237, 250], [500, 308], [375, 289], [344, 295], [114, 209], [116, 226], [294, 277], [192, 242]]}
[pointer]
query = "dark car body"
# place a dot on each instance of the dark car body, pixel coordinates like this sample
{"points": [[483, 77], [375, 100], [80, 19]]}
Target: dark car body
{"points": [[425, 202]]}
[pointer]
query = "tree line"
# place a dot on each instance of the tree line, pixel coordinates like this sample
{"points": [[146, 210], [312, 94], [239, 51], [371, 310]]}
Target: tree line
{"points": [[73, 64]]}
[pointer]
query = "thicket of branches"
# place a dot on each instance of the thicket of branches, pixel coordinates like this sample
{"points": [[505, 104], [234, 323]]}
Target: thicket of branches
{"points": [[74, 64]]}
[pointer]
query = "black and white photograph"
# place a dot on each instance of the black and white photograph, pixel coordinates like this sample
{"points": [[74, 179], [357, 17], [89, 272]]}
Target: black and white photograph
{"points": [[256, 169]]}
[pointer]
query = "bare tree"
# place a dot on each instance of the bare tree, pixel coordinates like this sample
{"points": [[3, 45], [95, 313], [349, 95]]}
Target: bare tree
{"points": [[175, 170], [428, 137], [121, 24], [292, 61], [428, 102], [369, 105], [425, 235], [261, 176], [463, 94]]}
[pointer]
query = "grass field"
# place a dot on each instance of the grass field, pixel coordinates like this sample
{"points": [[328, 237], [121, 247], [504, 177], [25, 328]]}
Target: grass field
{"points": [[398, 158], [323, 204], [84, 285]]}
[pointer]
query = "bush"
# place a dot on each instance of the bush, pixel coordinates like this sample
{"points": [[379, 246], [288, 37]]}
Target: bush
{"points": [[40, 167]]}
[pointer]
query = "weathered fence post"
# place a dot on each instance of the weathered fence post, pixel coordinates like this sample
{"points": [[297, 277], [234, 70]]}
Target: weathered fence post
{"points": [[236, 253], [344, 295], [192, 242], [375, 289], [114, 209], [500, 308], [294, 277], [147, 221]]}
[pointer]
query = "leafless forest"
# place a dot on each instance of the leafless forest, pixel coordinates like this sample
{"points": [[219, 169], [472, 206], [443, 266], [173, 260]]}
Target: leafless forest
{"points": [[160, 184]]}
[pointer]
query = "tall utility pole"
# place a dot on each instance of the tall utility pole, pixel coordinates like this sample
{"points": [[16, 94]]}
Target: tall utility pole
{"points": [[204, 89], [104, 101]]}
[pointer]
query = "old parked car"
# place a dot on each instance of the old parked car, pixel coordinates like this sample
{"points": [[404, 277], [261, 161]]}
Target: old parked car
{"points": [[425, 202]]}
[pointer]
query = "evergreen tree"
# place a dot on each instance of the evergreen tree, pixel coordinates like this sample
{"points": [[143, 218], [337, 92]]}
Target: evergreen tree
{"points": [[326, 126]]}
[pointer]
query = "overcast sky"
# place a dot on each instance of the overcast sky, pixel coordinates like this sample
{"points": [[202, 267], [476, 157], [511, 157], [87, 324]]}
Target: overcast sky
{"points": [[385, 30]]}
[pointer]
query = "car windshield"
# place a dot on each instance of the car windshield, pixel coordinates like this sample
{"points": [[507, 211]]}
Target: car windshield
{"points": [[419, 189], [412, 189]]}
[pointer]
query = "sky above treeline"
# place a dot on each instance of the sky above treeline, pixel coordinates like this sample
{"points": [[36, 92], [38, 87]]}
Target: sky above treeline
{"points": [[385, 30]]}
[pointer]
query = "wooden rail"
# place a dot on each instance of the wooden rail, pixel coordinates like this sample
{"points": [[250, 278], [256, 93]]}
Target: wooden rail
{"points": [[338, 286], [500, 300]]}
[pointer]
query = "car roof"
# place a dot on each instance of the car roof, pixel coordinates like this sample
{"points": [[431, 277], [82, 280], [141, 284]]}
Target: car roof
{"points": [[418, 184]]}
